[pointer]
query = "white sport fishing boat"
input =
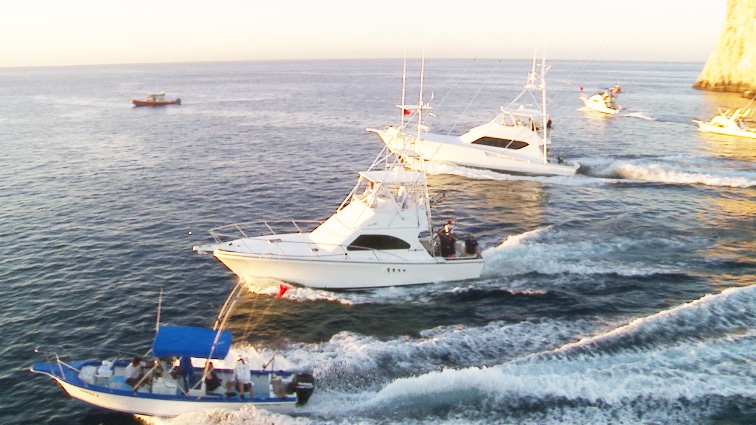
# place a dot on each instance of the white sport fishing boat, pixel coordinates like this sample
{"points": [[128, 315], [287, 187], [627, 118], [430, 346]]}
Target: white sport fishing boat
{"points": [[161, 389], [515, 141], [603, 101], [730, 121], [380, 236]]}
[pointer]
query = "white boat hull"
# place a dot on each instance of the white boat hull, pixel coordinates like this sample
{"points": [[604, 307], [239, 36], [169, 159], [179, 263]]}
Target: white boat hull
{"points": [[475, 156], [596, 103], [350, 273], [164, 407], [708, 128]]}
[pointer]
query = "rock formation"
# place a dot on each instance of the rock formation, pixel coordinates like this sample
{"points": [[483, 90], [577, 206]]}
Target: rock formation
{"points": [[732, 65]]}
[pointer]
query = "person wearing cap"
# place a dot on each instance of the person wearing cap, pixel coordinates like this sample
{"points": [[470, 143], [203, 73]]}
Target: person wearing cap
{"points": [[452, 225], [242, 378]]}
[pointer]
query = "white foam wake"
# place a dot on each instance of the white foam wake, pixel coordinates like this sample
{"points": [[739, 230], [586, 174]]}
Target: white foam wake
{"points": [[696, 350], [674, 172], [543, 251], [641, 115], [663, 358]]}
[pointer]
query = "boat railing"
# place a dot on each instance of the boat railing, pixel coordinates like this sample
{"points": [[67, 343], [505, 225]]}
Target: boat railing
{"points": [[57, 354], [231, 232], [333, 251], [52, 357]]}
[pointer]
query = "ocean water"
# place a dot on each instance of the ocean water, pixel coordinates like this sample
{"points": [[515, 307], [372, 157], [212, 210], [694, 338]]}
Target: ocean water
{"points": [[622, 295]]}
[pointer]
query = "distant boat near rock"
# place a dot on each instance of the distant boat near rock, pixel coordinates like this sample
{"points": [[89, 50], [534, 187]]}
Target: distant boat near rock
{"points": [[737, 122]]}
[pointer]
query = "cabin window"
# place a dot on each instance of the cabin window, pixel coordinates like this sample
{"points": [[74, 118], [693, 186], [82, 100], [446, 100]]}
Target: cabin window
{"points": [[500, 143], [382, 242]]}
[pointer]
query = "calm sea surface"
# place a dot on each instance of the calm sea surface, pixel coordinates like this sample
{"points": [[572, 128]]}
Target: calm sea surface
{"points": [[622, 295]]}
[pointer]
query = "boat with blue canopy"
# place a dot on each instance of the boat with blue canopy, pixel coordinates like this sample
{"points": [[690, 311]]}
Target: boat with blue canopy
{"points": [[176, 376]]}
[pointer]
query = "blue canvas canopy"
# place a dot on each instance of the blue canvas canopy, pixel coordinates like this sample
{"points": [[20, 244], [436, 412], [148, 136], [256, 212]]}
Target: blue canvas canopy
{"points": [[187, 341]]}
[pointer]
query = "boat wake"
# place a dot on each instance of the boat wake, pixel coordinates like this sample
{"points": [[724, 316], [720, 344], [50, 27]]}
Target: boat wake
{"points": [[640, 115], [645, 370], [637, 369], [543, 251], [392, 294], [671, 171], [479, 174], [277, 288], [593, 172], [546, 251], [246, 415]]}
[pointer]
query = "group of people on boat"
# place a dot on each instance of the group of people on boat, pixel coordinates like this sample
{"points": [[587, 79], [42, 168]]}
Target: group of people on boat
{"points": [[609, 95], [447, 242], [241, 380]]}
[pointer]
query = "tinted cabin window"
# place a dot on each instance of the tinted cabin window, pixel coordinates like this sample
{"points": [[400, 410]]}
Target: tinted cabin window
{"points": [[500, 143], [377, 242]]}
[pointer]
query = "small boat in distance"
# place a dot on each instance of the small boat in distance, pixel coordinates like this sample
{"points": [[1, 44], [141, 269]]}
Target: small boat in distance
{"points": [[731, 122], [515, 141], [167, 388], [603, 101], [155, 99], [380, 236]]}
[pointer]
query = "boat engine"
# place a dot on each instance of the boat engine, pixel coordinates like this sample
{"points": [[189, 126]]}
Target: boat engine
{"points": [[303, 384]]}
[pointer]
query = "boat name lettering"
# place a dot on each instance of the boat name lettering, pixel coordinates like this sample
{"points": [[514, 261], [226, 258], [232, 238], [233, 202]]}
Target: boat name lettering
{"points": [[90, 393]]}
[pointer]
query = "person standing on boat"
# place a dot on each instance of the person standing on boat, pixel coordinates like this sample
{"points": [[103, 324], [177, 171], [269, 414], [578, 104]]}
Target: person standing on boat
{"points": [[185, 369], [447, 240], [242, 379]]}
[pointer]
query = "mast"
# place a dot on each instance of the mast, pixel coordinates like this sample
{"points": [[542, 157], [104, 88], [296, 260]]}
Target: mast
{"points": [[420, 106], [543, 108], [404, 89], [422, 161], [160, 303]]}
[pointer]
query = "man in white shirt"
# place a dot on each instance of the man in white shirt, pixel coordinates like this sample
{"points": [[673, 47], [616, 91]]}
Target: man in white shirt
{"points": [[242, 378], [134, 372]]}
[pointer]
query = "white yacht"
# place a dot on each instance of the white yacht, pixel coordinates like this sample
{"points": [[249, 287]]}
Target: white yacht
{"points": [[731, 122], [515, 141], [603, 101], [381, 235]]}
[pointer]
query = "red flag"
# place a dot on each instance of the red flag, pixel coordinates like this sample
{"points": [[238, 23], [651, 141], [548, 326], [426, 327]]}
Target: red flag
{"points": [[406, 111], [282, 290]]}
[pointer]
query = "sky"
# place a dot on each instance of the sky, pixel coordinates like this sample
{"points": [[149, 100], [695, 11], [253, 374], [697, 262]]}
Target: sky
{"points": [[86, 32]]}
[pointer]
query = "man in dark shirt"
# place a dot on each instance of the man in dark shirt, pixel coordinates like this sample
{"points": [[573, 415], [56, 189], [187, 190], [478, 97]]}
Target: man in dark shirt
{"points": [[471, 247], [447, 242]]}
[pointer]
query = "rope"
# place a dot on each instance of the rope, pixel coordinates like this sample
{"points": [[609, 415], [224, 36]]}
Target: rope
{"points": [[249, 324]]}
